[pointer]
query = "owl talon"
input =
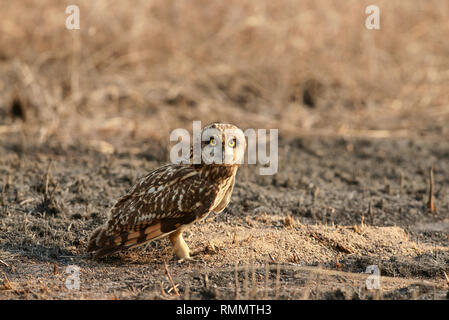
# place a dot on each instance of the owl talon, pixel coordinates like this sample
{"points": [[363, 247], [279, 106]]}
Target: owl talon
{"points": [[188, 259], [180, 247]]}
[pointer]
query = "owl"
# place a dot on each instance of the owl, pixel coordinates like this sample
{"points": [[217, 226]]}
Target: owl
{"points": [[169, 199]]}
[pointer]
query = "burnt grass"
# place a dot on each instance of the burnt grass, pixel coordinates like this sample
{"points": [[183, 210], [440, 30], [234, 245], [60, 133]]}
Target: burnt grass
{"points": [[336, 206]]}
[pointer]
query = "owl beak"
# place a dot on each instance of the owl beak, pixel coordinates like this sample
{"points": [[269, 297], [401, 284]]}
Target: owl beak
{"points": [[223, 154]]}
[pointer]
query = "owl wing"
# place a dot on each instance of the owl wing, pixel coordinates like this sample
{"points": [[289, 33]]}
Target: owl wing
{"points": [[161, 202]]}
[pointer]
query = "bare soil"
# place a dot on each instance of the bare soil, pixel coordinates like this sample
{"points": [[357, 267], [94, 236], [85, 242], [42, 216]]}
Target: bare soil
{"points": [[336, 206]]}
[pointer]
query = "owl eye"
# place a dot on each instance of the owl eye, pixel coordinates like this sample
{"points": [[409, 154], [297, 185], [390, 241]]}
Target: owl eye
{"points": [[213, 142], [232, 143]]}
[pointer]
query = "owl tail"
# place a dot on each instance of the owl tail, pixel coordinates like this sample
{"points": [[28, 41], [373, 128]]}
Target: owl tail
{"points": [[103, 244]]}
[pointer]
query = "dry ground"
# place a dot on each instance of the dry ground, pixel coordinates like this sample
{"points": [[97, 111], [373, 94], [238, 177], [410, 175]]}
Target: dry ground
{"points": [[362, 117], [312, 221]]}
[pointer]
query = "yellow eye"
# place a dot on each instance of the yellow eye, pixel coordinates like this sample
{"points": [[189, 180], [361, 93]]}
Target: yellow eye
{"points": [[212, 142], [232, 143]]}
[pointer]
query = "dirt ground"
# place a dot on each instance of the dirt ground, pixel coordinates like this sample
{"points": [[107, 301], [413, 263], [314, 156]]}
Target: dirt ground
{"points": [[362, 117], [336, 206]]}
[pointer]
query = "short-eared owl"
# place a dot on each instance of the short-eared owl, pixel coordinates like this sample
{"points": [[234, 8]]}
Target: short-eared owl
{"points": [[170, 198]]}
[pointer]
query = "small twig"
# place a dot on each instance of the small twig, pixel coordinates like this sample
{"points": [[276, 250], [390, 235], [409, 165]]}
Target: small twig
{"points": [[7, 285], [236, 283], [47, 178], [430, 204], [162, 289], [175, 290], [447, 278], [187, 291], [337, 261], [54, 189], [277, 282], [315, 194], [206, 280], [234, 238], [4, 263], [248, 239], [245, 283], [370, 208], [267, 271], [253, 281], [3, 197], [171, 289], [24, 202]]}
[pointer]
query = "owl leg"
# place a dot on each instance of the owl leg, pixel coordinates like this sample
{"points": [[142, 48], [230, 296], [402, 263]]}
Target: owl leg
{"points": [[180, 246]]}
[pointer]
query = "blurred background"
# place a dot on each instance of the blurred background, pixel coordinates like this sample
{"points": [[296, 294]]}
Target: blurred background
{"points": [[138, 69]]}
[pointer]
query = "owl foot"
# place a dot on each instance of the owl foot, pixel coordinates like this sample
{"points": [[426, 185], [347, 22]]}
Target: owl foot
{"points": [[180, 247], [188, 259]]}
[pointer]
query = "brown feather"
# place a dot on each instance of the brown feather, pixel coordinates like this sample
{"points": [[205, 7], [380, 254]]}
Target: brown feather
{"points": [[124, 240], [94, 239]]}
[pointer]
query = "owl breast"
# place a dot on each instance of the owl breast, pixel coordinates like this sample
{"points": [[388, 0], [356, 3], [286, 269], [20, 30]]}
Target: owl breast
{"points": [[224, 195]]}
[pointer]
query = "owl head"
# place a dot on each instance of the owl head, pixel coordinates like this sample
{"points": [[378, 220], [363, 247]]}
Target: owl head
{"points": [[222, 144]]}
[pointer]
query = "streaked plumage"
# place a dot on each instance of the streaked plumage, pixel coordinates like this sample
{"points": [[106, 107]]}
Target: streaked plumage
{"points": [[166, 201]]}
